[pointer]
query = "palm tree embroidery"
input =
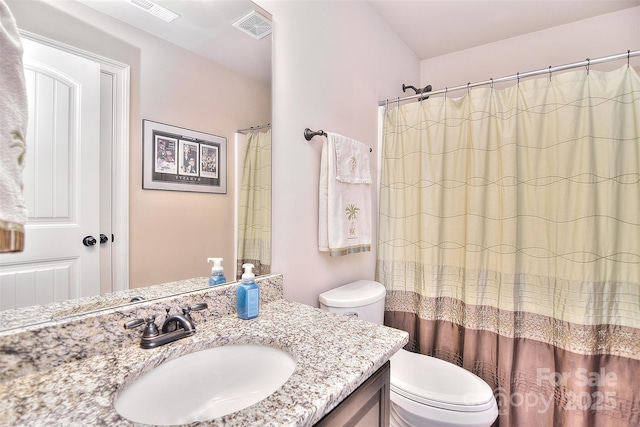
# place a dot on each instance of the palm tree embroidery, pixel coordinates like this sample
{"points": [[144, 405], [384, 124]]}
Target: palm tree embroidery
{"points": [[354, 162], [18, 145], [352, 217]]}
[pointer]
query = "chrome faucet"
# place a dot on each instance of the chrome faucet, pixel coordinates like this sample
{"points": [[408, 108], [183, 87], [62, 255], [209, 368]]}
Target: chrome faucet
{"points": [[175, 327]]}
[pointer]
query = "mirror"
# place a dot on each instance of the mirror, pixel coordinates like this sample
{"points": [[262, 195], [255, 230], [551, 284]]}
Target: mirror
{"points": [[171, 233]]}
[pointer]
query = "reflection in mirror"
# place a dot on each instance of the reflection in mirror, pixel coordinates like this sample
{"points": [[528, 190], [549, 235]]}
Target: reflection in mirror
{"points": [[37, 314], [173, 86], [254, 202]]}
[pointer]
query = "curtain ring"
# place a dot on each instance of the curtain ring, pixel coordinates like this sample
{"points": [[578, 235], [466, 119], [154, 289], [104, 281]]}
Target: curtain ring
{"points": [[518, 78], [387, 104], [398, 102], [491, 83], [446, 89], [588, 65], [550, 73], [628, 56]]}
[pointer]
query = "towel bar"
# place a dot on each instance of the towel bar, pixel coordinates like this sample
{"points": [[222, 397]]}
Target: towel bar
{"points": [[308, 134]]}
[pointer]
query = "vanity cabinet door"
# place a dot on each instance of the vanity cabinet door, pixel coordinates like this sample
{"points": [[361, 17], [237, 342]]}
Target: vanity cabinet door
{"points": [[368, 406]]}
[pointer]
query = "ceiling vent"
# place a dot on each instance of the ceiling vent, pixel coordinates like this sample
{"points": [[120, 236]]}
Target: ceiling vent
{"points": [[155, 9], [254, 24]]}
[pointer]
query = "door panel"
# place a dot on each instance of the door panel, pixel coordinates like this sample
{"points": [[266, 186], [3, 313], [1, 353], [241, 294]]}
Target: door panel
{"points": [[36, 283], [46, 173], [61, 182]]}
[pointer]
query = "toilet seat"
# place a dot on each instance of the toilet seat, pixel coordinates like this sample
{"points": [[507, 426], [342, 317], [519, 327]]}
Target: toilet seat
{"points": [[437, 383]]}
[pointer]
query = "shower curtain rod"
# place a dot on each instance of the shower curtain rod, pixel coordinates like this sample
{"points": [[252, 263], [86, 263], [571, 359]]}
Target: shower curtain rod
{"points": [[261, 127], [550, 70]]}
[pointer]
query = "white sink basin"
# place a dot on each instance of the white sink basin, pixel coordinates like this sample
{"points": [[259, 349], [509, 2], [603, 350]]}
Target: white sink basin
{"points": [[206, 384]]}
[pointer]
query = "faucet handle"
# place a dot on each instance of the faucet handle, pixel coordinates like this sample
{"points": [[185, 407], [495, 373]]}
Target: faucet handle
{"points": [[150, 330], [198, 307], [186, 311], [133, 323]]}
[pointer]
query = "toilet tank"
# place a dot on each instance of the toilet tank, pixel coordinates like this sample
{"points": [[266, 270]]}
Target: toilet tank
{"points": [[363, 299]]}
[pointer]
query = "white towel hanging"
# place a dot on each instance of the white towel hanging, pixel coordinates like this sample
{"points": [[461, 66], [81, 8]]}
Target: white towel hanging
{"points": [[13, 127], [345, 197]]}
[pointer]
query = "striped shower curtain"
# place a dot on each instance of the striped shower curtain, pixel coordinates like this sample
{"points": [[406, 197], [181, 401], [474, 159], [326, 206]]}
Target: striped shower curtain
{"points": [[254, 205], [509, 242]]}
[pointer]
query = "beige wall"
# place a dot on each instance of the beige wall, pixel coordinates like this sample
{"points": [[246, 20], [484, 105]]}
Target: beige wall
{"points": [[333, 61], [171, 233], [596, 37]]}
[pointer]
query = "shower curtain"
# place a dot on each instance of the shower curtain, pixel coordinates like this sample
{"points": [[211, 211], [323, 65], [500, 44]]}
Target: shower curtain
{"points": [[254, 205], [509, 242]]}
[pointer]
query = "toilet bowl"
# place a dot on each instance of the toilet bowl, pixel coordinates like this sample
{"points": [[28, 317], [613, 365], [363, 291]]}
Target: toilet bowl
{"points": [[425, 391], [427, 388]]}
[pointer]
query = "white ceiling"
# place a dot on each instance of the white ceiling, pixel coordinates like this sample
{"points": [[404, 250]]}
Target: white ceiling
{"points": [[204, 27], [428, 27], [437, 27]]}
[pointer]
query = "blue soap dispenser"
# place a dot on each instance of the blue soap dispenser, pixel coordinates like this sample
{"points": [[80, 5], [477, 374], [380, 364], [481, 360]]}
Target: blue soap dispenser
{"points": [[217, 275], [248, 294]]}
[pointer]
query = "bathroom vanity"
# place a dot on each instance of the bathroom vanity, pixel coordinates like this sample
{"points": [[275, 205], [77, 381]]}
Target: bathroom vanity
{"points": [[368, 406], [69, 371]]}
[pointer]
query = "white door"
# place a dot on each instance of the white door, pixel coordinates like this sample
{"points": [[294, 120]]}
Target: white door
{"points": [[61, 179]]}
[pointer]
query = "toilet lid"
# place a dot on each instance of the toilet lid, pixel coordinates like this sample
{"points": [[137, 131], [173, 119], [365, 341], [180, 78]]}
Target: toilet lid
{"points": [[355, 294], [437, 383]]}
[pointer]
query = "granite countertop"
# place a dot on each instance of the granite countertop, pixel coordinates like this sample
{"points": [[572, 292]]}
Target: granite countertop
{"points": [[334, 354]]}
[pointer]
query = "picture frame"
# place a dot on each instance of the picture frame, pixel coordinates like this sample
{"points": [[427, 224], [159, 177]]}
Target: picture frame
{"points": [[180, 159]]}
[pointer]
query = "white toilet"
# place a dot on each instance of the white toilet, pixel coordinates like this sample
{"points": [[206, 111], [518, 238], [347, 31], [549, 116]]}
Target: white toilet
{"points": [[425, 391]]}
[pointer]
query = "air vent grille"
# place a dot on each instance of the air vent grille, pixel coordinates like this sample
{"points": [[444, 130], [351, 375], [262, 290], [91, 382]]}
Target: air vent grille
{"points": [[155, 9], [143, 4], [254, 24]]}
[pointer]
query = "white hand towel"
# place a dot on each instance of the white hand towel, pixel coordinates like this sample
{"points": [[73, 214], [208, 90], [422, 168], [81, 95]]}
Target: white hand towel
{"points": [[345, 203], [352, 161], [13, 127]]}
